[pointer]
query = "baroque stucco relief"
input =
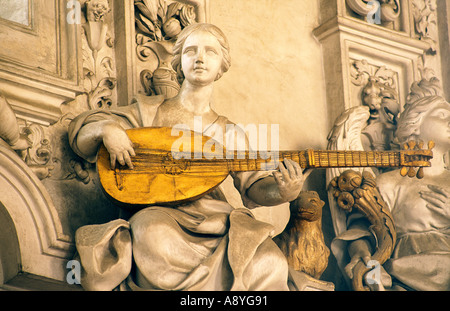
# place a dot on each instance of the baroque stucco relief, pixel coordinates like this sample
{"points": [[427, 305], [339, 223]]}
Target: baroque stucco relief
{"points": [[372, 65]]}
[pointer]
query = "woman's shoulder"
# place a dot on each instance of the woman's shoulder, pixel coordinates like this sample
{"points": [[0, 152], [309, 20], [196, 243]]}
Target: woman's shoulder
{"points": [[167, 104], [166, 110]]}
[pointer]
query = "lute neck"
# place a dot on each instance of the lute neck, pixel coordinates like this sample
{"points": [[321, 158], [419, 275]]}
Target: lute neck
{"points": [[249, 161]]}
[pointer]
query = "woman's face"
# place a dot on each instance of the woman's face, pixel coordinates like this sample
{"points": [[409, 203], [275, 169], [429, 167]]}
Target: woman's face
{"points": [[436, 125], [201, 58]]}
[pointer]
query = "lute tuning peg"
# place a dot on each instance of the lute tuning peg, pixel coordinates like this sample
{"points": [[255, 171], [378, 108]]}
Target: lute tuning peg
{"points": [[420, 173], [416, 156], [404, 171], [412, 144], [420, 145]]}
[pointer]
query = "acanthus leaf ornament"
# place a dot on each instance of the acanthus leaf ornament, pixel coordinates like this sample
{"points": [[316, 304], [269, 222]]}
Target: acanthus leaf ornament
{"points": [[425, 19], [98, 63], [379, 93]]}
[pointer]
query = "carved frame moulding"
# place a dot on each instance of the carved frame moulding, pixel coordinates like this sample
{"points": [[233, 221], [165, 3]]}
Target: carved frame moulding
{"points": [[40, 186], [345, 40], [40, 63], [44, 248], [15, 13], [416, 18], [406, 65]]}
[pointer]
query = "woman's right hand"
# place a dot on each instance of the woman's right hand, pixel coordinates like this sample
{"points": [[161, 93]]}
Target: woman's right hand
{"points": [[118, 144], [359, 250]]}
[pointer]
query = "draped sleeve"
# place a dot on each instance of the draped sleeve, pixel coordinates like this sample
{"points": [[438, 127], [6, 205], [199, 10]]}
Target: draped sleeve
{"points": [[105, 252], [140, 113]]}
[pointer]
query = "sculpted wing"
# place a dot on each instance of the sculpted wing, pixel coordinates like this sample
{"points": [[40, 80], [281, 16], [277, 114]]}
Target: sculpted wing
{"points": [[345, 135]]}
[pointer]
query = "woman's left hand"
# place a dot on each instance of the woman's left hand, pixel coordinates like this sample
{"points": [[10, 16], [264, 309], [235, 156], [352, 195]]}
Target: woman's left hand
{"points": [[289, 179], [438, 199]]}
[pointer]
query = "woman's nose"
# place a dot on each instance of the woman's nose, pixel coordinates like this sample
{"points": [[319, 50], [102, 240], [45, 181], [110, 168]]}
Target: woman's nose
{"points": [[200, 56]]}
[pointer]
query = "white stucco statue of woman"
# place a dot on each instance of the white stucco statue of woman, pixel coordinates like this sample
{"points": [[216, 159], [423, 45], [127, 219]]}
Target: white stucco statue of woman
{"points": [[204, 245], [420, 209]]}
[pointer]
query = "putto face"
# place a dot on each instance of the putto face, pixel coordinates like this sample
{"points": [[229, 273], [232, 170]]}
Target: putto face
{"points": [[201, 58], [96, 10]]}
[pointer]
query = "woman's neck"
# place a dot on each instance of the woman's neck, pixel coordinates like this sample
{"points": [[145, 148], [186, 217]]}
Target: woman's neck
{"points": [[196, 99], [439, 163]]}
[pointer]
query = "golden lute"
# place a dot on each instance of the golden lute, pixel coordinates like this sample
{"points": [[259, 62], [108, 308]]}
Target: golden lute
{"points": [[166, 175]]}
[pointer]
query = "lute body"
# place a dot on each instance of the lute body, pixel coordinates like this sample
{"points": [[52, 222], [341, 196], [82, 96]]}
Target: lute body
{"points": [[170, 170]]}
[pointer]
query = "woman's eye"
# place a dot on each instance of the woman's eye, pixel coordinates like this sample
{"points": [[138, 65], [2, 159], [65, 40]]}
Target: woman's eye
{"points": [[443, 115], [211, 52], [189, 51]]}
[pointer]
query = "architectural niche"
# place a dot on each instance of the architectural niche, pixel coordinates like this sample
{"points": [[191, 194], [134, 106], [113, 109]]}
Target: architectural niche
{"points": [[42, 178]]}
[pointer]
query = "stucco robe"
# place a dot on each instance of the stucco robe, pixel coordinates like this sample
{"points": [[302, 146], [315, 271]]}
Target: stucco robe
{"points": [[204, 245]]}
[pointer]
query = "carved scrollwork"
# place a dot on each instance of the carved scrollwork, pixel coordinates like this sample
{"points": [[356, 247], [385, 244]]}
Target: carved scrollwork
{"points": [[28, 140], [353, 190], [389, 10], [98, 63], [159, 21], [40, 151], [100, 97], [425, 19]]}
